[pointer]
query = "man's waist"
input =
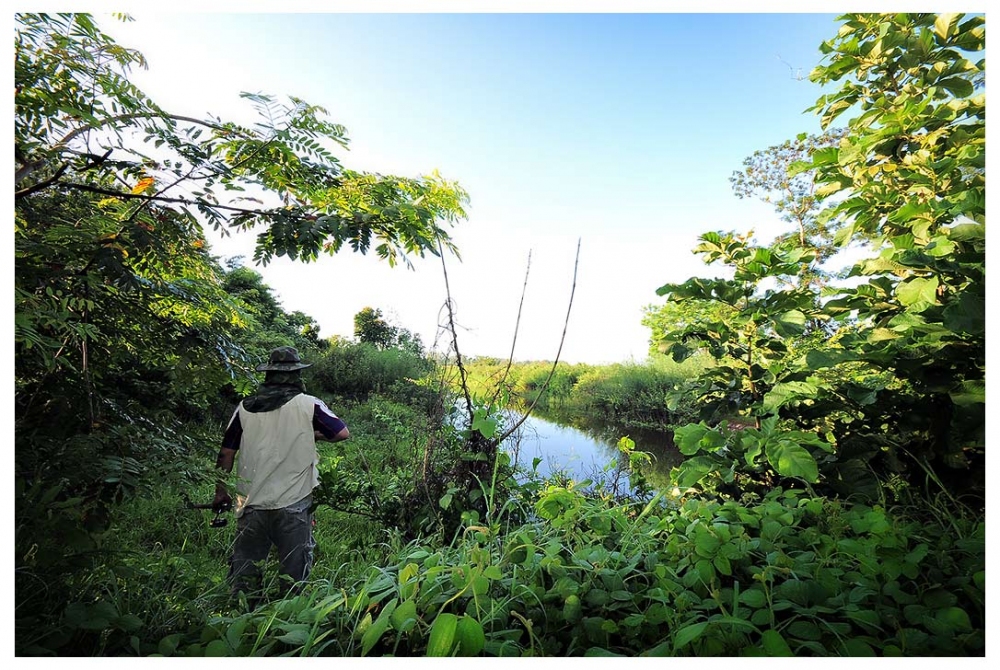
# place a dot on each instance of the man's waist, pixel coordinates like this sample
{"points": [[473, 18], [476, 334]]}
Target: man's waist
{"points": [[297, 506]]}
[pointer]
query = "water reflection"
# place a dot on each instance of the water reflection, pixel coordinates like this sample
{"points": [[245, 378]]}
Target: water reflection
{"points": [[587, 448]]}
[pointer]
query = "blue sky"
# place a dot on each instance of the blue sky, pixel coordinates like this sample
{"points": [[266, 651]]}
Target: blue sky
{"points": [[617, 129]]}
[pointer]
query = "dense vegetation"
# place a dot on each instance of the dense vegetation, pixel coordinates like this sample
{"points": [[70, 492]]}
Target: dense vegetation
{"points": [[831, 500], [626, 394]]}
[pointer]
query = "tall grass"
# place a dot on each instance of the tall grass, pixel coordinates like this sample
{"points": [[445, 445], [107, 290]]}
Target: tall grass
{"points": [[627, 394]]}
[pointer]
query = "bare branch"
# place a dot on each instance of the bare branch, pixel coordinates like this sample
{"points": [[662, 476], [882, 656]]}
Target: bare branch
{"points": [[545, 385], [454, 334], [517, 326]]}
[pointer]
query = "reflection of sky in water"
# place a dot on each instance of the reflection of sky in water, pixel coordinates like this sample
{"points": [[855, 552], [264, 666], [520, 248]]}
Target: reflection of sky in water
{"points": [[566, 450]]}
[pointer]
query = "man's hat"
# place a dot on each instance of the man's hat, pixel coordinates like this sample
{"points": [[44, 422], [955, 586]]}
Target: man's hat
{"points": [[283, 359]]}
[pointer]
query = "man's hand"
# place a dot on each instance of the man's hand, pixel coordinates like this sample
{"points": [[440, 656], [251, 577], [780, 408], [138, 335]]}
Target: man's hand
{"points": [[222, 502]]}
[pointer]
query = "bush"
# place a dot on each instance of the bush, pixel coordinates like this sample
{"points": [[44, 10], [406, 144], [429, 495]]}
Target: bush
{"points": [[356, 370], [790, 574]]}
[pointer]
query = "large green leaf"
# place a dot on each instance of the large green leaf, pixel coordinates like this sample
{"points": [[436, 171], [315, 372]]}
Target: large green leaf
{"points": [[946, 24], [918, 293], [827, 358], [600, 651], [378, 628], [471, 638], [774, 644], [217, 648], [688, 438], [792, 460], [961, 88], [966, 315], [689, 634], [442, 637], [783, 393], [964, 232], [790, 323], [691, 471], [969, 393], [754, 598]]}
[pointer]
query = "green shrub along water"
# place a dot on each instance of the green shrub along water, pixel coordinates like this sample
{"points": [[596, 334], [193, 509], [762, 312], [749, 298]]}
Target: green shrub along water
{"points": [[624, 394], [829, 499]]}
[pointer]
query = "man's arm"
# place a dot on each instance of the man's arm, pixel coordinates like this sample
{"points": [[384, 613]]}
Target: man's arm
{"points": [[223, 501], [339, 437], [224, 461], [327, 425]]}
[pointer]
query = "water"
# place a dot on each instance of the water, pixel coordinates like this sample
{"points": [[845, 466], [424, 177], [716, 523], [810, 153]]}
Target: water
{"points": [[588, 449]]}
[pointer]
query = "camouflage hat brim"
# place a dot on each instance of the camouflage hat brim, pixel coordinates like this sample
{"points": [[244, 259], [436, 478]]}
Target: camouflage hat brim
{"points": [[281, 367]]}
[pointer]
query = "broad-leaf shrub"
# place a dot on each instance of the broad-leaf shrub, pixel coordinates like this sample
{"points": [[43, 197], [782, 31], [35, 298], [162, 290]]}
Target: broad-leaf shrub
{"points": [[790, 574]]}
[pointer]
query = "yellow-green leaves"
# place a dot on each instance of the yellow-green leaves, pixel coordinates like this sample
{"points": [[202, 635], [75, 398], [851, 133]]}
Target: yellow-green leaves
{"points": [[918, 294], [375, 631], [442, 637], [946, 25], [452, 635]]}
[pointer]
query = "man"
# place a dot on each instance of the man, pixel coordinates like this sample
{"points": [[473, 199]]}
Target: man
{"points": [[275, 433]]}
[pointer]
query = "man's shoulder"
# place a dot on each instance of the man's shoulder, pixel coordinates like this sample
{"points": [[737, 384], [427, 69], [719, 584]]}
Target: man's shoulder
{"points": [[310, 400], [318, 402]]}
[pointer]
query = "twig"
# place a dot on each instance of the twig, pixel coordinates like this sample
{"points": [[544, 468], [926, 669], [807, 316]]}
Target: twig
{"points": [[43, 184], [157, 198], [517, 326], [454, 334], [545, 385]]}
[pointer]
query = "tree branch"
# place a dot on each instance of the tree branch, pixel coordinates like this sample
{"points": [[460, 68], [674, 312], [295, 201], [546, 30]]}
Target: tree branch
{"points": [[545, 385], [454, 334], [157, 198], [28, 168], [517, 326], [43, 184]]}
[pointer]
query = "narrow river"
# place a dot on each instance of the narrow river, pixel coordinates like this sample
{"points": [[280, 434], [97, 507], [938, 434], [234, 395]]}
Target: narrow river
{"points": [[588, 450]]}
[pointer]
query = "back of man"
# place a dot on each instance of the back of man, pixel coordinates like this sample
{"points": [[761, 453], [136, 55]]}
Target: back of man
{"points": [[274, 432], [278, 460]]}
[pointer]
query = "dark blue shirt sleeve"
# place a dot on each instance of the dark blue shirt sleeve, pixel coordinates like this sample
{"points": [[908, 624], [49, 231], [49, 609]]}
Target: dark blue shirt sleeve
{"points": [[234, 434], [326, 421]]}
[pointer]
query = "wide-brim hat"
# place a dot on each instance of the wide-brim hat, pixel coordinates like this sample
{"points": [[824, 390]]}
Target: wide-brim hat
{"points": [[283, 359]]}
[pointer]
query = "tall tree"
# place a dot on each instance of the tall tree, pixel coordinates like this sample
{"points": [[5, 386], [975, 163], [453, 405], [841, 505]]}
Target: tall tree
{"points": [[899, 388], [371, 327], [913, 168], [765, 176]]}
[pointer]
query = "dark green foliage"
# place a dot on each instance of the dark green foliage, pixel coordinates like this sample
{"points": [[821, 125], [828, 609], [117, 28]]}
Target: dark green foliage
{"points": [[131, 343], [789, 574], [888, 371], [355, 370], [913, 165]]}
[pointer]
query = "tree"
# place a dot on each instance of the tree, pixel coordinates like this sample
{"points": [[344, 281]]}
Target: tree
{"points": [[743, 326], [370, 327], [126, 328], [81, 126], [673, 317], [900, 383], [912, 168], [765, 176]]}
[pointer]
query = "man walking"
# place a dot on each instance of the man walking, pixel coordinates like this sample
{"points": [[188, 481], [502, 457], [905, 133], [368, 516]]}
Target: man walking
{"points": [[275, 433]]}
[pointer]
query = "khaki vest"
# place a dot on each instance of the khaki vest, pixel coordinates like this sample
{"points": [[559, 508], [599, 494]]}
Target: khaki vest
{"points": [[277, 457]]}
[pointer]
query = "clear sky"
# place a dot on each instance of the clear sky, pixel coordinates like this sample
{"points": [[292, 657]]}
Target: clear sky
{"points": [[620, 130]]}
